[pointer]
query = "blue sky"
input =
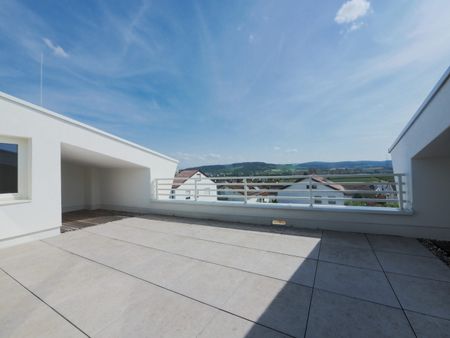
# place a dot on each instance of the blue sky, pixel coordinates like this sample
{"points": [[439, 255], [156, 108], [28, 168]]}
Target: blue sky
{"points": [[229, 81]]}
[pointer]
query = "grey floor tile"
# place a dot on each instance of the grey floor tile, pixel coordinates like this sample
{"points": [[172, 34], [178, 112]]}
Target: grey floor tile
{"points": [[93, 306], [337, 316], [398, 244], [348, 255], [277, 305], [287, 244], [161, 314], [225, 254], [429, 327], [422, 295], [209, 283], [227, 325], [289, 268], [23, 315], [307, 247], [346, 239], [414, 265], [155, 266], [355, 282]]}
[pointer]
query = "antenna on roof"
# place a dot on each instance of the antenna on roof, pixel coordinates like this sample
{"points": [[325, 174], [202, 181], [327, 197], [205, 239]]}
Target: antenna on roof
{"points": [[42, 74]]}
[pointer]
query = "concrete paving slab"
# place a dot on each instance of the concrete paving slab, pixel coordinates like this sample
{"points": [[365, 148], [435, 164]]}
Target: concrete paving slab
{"points": [[224, 254], [163, 314], [51, 272], [278, 305], [422, 295], [429, 327], [348, 255], [75, 287], [289, 268], [290, 245], [275, 265], [355, 282], [287, 244], [346, 239], [91, 245], [23, 315], [226, 325], [424, 267], [94, 306], [209, 283], [398, 244], [338, 316], [108, 303], [152, 265]]}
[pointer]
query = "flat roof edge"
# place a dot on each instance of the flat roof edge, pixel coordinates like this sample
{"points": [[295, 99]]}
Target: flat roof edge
{"points": [[79, 124], [422, 107]]}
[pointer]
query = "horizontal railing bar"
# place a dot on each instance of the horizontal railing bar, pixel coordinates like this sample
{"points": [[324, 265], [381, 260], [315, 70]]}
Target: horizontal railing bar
{"points": [[275, 197], [281, 176], [266, 184]]}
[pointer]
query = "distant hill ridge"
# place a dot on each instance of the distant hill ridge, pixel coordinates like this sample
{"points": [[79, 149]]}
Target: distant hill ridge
{"points": [[262, 168]]}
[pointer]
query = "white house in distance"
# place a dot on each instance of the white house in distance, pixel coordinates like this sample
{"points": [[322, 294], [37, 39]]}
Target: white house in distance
{"points": [[323, 192], [188, 181], [50, 163]]}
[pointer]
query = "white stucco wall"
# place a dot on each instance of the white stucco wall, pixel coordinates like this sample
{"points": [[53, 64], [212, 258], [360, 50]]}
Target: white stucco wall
{"points": [[39, 212], [427, 170], [74, 186]]}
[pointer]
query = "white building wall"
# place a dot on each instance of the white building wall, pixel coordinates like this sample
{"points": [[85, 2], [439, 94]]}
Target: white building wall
{"points": [[427, 170], [126, 187], [74, 186], [39, 212], [303, 185], [205, 186]]}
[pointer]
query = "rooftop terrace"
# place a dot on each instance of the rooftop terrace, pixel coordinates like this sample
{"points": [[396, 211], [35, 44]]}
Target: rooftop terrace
{"points": [[171, 277]]}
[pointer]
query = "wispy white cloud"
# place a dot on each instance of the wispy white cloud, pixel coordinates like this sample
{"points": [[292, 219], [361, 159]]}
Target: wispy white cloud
{"points": [[285, 150], [352, 10], [57, 50], [355, 26]]}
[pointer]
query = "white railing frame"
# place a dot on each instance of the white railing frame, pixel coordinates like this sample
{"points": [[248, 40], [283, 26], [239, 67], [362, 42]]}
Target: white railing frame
{"points": [[272, 192]]}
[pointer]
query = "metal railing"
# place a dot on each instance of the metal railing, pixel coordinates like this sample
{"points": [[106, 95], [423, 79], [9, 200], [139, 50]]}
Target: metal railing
{"points": [[362, 190]]}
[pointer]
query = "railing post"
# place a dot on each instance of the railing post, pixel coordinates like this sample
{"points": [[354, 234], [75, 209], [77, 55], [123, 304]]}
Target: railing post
{"points": [[195, 189], [310, 192], [400, 191], [245, 190], [156, 189]]}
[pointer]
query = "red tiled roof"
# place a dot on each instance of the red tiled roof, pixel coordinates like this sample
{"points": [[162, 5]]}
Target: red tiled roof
{"points": [[184, 175]]}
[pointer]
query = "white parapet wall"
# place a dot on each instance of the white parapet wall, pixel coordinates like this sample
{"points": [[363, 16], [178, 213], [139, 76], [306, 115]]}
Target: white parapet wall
{"points": [[66, 164], [363, 220]]}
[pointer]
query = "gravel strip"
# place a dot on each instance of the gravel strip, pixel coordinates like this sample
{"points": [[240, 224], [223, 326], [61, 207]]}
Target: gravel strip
{"points": [[440, 249]]}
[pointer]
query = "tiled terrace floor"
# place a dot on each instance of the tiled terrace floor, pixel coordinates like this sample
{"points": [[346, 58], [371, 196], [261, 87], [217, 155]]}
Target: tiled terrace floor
{"points": [[169, 277]]}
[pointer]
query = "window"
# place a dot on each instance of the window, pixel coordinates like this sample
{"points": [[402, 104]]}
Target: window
{"points": [[331, 201], [9, 170], [188, 194], [14, 168], [314, 186], [317, 199]]}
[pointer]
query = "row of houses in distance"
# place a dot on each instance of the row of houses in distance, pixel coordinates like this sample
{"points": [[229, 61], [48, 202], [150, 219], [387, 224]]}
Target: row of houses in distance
{"points": [[187, 183]]}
